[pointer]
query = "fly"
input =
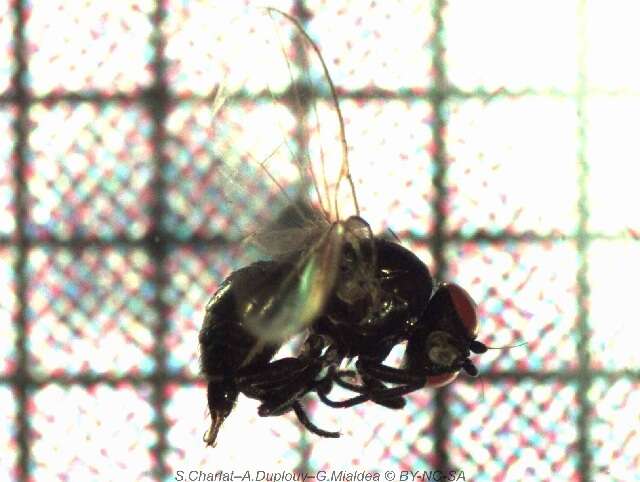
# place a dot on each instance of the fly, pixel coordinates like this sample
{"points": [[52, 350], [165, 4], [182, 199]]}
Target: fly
{"points": [[324, 275]]}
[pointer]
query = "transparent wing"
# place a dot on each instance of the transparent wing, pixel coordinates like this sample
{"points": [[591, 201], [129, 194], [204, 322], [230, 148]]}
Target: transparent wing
{"points": [[327, 155], [276, 154]]}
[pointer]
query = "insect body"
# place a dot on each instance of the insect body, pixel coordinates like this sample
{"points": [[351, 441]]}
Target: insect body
{"points": [[355, 296], [234, 360], [440, 331]]}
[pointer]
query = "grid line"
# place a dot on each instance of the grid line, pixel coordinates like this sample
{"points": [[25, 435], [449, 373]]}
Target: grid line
{"points": [[303, 15], [21, 133], [157, 104], [438, 99], [584, 376]]}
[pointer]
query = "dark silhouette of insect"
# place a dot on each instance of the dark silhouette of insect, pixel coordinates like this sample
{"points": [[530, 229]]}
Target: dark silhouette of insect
{"points": [[440, 331], [355, 296]]}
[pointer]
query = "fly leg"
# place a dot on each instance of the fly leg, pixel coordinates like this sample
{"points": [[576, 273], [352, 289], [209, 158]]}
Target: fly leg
{"points": [[279, 386], [278, 402], [370, 386], [406, 380], [222, 392], [256, 382], [375, 375], [309, 425]]}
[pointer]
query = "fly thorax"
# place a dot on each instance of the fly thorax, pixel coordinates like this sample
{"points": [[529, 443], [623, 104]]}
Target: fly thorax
{"points": [[356, 280], [352, 289], [384, 305]]}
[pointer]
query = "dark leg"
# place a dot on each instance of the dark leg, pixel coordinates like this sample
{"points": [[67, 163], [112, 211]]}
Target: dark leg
{"points": [[375, 386], [350, 402], [380, 397], [279, 372], [371, 385], [279, 386], [388, 374], [278, 399], [408, 381], [325, 385], [285, 401], [374, 376], [309, 425], [394, 392]]}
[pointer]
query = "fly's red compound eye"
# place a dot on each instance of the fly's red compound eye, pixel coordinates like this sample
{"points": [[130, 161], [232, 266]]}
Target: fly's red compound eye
{"points": [[465, 308]]}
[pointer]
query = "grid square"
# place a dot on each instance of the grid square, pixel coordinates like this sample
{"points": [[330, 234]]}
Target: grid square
{"points": [[245, 441], [614, 170], [194, 276], [521, 431], [7, 169], [8, 428], [92, 433], [537, 48], [532, 300], [610, 51], [390, 145], [91, 179], [366, 44], [502, 177], [7, 24], [613, 304], [90, 311], [614, 435], [238, 44], [8, 308], [525, 293], [75, 48]]}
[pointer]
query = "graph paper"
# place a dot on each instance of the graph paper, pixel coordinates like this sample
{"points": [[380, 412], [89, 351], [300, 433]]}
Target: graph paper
{"points": [[497, 139]]}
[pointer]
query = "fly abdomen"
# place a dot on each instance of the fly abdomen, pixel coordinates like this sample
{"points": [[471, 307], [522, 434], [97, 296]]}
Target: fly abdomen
{"points": [[226, 345]]}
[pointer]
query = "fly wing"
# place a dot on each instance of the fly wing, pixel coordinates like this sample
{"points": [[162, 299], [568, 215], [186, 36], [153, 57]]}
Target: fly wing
{"points": [[274, 153], [332, 187], [278, 312], [245, 136]]}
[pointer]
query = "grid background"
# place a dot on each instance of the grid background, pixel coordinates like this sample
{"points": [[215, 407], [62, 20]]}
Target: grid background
{"points": [[516, 123]]}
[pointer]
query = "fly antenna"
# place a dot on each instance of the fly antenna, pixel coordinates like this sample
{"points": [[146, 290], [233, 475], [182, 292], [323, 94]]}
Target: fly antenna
{"points": [[478, 347], [507, 346]]}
